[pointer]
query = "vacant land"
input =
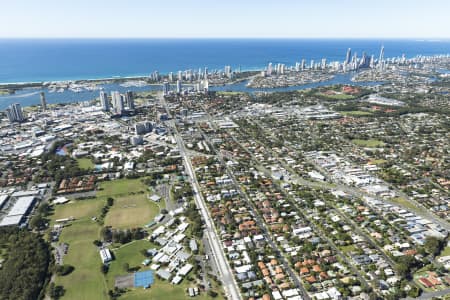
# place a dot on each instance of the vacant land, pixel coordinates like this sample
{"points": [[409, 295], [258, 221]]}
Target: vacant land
{"points": [[368, 143], [405, 203], [348, 249]]}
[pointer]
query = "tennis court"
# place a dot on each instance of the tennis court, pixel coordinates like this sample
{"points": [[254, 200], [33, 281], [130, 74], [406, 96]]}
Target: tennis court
{"points": [[143, 279]]}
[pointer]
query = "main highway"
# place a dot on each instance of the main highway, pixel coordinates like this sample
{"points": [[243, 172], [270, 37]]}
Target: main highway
{"points": [[229, 284]]}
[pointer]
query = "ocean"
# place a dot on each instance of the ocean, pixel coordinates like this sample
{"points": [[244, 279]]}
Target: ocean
{"points": [[28, 60], [37, 60]]}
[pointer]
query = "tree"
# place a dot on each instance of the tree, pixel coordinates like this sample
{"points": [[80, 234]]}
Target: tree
{"points": [[44, 209], [414, 292], [97, 243], [126, 267], [104, 268], [110, 201], [405, 265], [106, 234], [64, 270], [433, 245], [38, 222], [402, 269], [212, 294], [56, 291], [26, 268]]}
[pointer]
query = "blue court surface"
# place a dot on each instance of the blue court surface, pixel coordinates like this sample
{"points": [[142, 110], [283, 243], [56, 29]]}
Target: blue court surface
{"points": [[143, 279]]}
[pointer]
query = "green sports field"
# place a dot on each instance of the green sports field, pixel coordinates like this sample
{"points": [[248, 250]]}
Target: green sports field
{"points": [[371, 143], [131, 208], [86, 281]]}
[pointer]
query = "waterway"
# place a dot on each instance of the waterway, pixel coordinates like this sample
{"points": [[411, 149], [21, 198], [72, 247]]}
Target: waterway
{"points": [[30, 96]]}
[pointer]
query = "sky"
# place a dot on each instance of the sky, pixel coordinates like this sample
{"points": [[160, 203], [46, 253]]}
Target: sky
{"points": [[225, 19]]}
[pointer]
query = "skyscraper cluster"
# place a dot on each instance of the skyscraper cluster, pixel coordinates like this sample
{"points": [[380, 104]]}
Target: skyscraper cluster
{"points": [[14, 113], [353, 63], [279, 69], [201, 86], [118, 101]]}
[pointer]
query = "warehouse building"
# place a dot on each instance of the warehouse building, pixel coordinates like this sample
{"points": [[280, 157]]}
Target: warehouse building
{"points": [[17, 215]]}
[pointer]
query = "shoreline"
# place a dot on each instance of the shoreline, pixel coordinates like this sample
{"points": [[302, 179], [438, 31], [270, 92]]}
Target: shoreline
{"points": [[26, 84], [39, 84]]}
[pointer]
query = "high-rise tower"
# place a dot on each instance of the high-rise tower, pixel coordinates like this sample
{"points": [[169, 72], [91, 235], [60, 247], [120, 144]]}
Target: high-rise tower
{"points": [[381, 58], [104, 102], [14, 113], [179, 86], [348, 57], [43, 101], [166, 88], [130, 100], [117, 102]]}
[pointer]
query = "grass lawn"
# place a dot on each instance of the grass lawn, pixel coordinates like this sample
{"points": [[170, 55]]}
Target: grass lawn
{"points": [[337, 96], [130, 253], [131, 207], [446, 251], [405, 203], [120, 187], [355, 113], [378, 161], [86, 281], [85, 163], [131, 211], [165, 290], [2, 253], [368, 143], [348, 248], [78, 209]]}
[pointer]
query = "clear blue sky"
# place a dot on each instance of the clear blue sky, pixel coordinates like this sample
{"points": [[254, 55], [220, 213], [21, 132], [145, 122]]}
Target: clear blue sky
{"points": [[225, 18]]}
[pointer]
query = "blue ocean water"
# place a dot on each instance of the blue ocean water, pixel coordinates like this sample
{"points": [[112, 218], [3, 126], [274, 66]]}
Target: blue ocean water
{"points": [[25, 60], [37, 60]]}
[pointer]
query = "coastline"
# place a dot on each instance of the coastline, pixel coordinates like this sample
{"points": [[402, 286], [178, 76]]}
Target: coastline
{"points": [[35, 66], [108, 80]]}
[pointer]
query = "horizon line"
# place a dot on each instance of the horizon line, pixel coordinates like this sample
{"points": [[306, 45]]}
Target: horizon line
{"points": [[222, 38]]}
